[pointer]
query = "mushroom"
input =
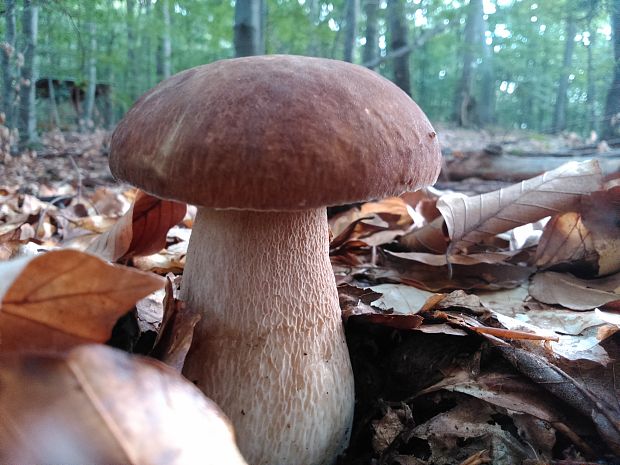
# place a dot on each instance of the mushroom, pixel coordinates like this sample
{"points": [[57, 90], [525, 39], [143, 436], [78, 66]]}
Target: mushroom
{"points": [[262, 145]]}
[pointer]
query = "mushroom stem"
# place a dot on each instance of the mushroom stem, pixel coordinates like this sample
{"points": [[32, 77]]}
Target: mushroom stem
{"points": [[270, 348]]}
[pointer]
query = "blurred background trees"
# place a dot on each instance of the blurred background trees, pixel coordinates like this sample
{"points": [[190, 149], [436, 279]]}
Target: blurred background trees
{"points": [[548, 66]]}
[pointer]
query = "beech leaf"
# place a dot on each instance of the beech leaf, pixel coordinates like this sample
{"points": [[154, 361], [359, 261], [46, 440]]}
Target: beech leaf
{"points": [[97, 405], [574, 293], [472, 219], [141, 230], [65, 297]]}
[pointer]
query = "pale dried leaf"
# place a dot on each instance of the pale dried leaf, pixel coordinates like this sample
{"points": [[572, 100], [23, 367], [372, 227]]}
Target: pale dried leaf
{"points": [[402, 299], [572, 292], [472, 219]]}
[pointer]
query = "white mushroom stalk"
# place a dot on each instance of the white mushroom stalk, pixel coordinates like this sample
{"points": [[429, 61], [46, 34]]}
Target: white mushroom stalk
{"points": [[270, 349]]}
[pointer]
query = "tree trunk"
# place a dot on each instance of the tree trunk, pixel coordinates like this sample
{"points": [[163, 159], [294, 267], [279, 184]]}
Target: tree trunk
{"points": [[371, 47], [611, 120], [164, 67], [6, 61], [350, 30], [398, 39], [27, 104], [86, 121], [561, 101], [131, 77], [591, 86], [314, 14], [465, 103], [248, 22], [146, 36], [487, 94], [53, 104]]}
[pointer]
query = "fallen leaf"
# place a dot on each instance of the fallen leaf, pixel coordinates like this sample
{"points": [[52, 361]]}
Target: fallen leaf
{"points": [[571, 292], [582, 394], [566, 243], [432, 237], [471, 219], [141, 231], [176, 332], [601, 214], [98, 405], [399, 298], [64, 297]]}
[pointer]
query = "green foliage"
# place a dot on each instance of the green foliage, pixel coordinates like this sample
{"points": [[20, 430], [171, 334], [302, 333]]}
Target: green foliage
{"points": [[526, 38]]}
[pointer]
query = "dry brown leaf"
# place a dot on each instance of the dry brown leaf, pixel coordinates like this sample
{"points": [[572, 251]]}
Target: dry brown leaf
{"points": [[475, 275], [601, 214], [471, 259], [432, 237], [472, 219], [574, 293], [589, 389], [176, 331], [65, 297], [141, 231], [101, 406], [566, 242], [394, 205]]}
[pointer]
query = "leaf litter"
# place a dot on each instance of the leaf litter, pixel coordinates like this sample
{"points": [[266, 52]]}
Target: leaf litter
{"points": [[482, 327]]}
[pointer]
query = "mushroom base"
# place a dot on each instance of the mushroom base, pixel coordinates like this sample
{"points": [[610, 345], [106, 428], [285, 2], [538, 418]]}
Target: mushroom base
{"points": [[270, 349]]}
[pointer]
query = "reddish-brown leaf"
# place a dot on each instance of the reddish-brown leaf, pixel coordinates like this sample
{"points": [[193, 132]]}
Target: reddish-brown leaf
{"points": [[141, 231], [65, 297]]}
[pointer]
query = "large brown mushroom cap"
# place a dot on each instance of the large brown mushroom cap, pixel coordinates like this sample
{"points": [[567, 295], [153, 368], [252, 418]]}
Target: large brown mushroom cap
{"points": [[275, 133]]}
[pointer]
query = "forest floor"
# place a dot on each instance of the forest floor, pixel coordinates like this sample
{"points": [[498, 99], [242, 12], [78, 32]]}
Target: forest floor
{"points": [[471, 342]]}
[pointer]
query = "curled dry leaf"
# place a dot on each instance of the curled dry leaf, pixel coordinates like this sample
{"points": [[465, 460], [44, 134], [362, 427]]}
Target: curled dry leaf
{"points": [[141, 231], [601, 214], [432, 237], [472, 274], [579, 390], [472, 219], [566, 242], [64, 297], [101, 406], [176, 332], [574, 293]]}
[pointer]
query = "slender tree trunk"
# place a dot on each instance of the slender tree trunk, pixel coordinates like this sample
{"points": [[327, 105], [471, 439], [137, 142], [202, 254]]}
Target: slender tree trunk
{"points": [[248, 22], [53, 104], [561, 101], [465, 107], [313, 18], [27, 104], [131, 77], [86, 122], [350, 31], [146, 35], [611, 120], [262, 36], [371, 47], [398, 39], [487, 94], [7, 54], [591, 86], [108, 72], [164, 67]]}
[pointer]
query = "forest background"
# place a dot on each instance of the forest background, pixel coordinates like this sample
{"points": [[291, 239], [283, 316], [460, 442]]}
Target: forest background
{"points": [[544, 65]]}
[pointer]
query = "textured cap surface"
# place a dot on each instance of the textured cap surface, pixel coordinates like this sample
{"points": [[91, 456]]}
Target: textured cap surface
{"points": [[275, 132]]}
